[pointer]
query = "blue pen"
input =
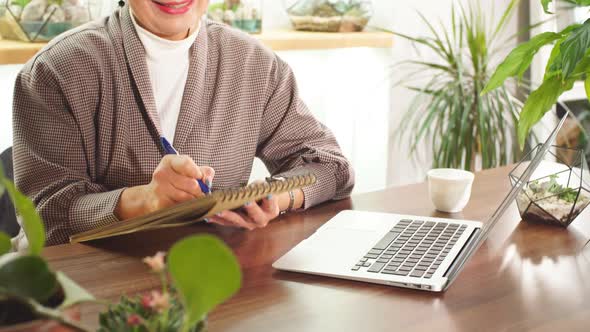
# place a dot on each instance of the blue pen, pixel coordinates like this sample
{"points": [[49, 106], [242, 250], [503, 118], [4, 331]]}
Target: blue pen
{"points": [[169, 149]]}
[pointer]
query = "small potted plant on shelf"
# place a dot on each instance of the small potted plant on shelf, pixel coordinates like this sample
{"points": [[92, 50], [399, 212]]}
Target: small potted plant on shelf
{"points": [[329, 15], [200, 273], [245, 15], [32, 296], [40, 20]]}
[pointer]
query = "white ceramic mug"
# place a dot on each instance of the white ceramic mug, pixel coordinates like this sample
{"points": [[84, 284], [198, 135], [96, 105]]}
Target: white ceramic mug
{"points": [[450, 189]]}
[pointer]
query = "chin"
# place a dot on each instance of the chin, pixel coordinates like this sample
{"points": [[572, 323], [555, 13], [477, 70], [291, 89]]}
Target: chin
{"points": [[174, 30]]}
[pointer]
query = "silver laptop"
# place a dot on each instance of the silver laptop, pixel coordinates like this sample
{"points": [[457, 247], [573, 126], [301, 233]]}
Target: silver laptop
{"points": [[399, 250]]}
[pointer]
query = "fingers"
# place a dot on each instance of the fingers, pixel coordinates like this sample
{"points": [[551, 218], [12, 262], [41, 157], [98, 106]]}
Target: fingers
{"points": [[254, 216], [270, 205], [185, 184], [174, 181], [264, 213], [236, 219], [181, 172], [208, 175], [184, 165], [257, 215]]}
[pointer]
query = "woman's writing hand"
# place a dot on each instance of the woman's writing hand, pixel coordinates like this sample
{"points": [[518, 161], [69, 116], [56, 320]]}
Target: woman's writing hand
{"points": [[173, 182]]}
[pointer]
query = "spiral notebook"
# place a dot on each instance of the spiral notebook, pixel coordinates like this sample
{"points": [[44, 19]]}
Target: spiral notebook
{"points": [[198, 209]]}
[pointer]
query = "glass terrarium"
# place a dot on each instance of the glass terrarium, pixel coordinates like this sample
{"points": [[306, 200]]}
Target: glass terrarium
{"points": [[40, 20], [557, 191], [329, 15], [245, 15]]}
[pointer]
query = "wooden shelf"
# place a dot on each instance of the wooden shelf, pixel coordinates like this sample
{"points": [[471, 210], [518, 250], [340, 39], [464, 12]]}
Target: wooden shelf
{"points": [[13, 52], [300, 40]]}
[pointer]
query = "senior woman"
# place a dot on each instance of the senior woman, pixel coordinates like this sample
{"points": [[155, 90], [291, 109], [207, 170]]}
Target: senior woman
{"points": [[91, 107]]}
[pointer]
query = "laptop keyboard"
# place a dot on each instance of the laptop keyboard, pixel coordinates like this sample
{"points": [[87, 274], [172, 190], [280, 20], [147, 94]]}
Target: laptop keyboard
{"points": [[412, 248]]}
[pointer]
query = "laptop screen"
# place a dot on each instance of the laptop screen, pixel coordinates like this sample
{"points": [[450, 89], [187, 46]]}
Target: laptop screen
{"points": [[518, 185], [525, 176]]}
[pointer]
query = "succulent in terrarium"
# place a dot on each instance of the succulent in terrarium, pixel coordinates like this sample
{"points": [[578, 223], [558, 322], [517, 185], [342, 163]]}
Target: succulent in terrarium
{"points": [[557, 192], [41, 20], [329, 15], [242, 14]]}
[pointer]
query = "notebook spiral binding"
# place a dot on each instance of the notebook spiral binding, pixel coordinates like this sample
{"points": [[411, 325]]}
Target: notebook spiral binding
{"points": [[255, 190]]}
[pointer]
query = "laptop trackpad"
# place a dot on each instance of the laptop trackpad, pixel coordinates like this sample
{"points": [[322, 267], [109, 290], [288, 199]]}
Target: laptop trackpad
{"points": [[328, 250]]}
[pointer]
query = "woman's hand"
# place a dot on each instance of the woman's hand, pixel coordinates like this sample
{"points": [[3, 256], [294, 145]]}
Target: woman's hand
{"points": [[257, 215], [174, 181]]}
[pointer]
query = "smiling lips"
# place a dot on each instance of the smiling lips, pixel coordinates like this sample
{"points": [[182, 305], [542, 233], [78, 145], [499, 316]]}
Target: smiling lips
{"points": [[174, 8]]}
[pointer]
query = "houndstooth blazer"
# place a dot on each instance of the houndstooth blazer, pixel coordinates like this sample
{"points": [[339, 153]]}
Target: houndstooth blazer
{"points": [[86, 126]]}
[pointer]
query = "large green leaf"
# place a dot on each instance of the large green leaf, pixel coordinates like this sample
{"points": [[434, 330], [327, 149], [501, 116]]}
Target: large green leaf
{"points": [[5, 244], [31, 221], [573, 49], [519, 60], [205, 273], [587, 86], [582, 3], [540, 102], [74, 294], [27, 277]]}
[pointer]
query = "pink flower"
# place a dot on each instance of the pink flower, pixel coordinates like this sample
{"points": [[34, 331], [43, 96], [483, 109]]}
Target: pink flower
{"points": [[156, 263], [133, 320], [155, 301], [146, 301], [160, 302]]}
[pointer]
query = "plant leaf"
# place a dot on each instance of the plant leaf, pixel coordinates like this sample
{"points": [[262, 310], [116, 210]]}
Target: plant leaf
{"points": [[507, 14], [5, 244], [519, 60], [540, 102], [27, 277], [545, 4], [205, 273], [581, 3], [31, 221], [74, 294], [573, 49], [587, 86]]}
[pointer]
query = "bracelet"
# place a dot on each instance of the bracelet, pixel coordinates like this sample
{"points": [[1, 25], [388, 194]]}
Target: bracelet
{"points": [[291, 201]]}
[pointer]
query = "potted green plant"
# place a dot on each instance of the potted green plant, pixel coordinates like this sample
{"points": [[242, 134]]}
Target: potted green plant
{"points": [[465, 128], [200, 273], [569, 62], [32, 296]]}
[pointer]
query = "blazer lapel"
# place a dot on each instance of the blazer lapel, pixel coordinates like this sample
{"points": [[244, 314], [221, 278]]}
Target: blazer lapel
{"points": [[137, 65], [193, 110]]}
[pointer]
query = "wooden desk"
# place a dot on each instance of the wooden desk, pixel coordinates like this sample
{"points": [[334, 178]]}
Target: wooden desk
{"points": [[525, 277]]}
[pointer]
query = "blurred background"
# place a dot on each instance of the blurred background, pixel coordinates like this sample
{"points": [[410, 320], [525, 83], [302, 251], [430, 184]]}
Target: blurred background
{"points": [[353, 90]]}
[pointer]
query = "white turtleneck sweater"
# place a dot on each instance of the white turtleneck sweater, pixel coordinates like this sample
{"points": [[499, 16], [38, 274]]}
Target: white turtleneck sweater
{"points": [[168, 64]]}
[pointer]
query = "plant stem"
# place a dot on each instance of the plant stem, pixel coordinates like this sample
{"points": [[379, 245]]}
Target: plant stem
{"points": [[185, 327]]}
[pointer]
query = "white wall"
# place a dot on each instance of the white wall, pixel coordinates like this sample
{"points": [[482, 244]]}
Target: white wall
{"points": [[7, 77]]}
